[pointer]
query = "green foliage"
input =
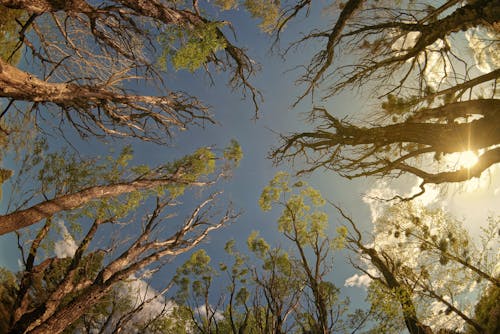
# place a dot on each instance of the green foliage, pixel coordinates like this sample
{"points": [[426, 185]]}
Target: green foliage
{"points": [[9, 32], [44, 283], [487, 311], [226, 4], [177, 322], [191, 167], [386, 309], [340, 239], [8, 290], [195, 45], [257, 245], [299, 217], [233, 153], [266, 10], [272, 192], [195, 276], [433, 258], [5, 174]]}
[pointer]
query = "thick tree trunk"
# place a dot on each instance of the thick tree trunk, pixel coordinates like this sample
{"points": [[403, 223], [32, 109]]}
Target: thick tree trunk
{"points": [[47, 6], [485, 161], [72, 311], [20, 85], [32, 215], [447, 138], [413, 325], [163, 13]]}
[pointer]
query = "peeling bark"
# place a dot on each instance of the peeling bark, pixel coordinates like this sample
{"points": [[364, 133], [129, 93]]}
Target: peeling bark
{"points": [[53, 317], [47, 6], [101, 108], [355, 151], [23, 218]]}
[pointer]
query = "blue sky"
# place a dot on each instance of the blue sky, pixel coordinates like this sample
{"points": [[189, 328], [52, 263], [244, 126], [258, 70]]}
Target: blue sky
{"points": [[257, 137]]}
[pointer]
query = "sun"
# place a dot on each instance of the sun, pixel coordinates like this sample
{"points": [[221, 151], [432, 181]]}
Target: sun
{"points": [[467, 159]]}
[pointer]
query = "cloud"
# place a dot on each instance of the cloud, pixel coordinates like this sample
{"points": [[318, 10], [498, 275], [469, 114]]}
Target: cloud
{"points": [[406, 42], [434, 64], [486, 54], [67, 246], [442, 317], [202, 311], [381, 190], [358, 281], [139, 291]]}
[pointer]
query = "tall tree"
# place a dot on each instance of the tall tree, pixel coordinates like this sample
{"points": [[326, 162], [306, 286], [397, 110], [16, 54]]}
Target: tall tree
{"points": [[90, 55], [67, 186], [426, 262], [273, 290], [73, 285], [304, 224], [439, 98]]}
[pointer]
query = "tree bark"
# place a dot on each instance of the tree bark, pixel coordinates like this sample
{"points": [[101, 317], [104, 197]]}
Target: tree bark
{"points": [[413, 325], [32, 215], [47, 6], [447, 138], [355, 151], [20, 85]]}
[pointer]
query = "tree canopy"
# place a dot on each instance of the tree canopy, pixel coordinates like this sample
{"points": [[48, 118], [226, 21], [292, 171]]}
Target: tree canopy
{"points": [[111, 213], [60, 285], [437, 100]]}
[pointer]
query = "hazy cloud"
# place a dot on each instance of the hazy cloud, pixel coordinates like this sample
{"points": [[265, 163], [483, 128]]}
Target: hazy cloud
{"points": [[358, 281], [486, 53], [139, 291], [67, 246], [201, 310]]}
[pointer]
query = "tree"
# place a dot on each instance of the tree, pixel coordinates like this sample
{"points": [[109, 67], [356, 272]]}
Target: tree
{"points": [[71, 190], [91, 55], [305, 226], [272, 290], [54, 293], [440, 99], [9, 32], [487, 310], [425, 262]]}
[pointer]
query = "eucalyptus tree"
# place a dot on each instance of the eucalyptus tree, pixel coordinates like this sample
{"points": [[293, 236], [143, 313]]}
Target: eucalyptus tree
{"points": [[426, 272], [282, 289], [53, 292], [433, 67], [68, 182], [92, 55], [302, 221]]}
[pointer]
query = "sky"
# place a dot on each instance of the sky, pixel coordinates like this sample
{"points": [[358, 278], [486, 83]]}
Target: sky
{"points": [[257, 137]]}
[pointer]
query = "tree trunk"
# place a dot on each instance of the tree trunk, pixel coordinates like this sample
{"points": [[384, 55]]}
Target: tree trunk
{"points": [[32, 215], [20, 85], [413, 325], [447, 138], [47, 6]]}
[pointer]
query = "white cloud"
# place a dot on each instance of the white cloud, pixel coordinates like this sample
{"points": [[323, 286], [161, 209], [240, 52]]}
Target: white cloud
{"points": [[202, 311], [442, 318], [67, 246], [434, 64], [406, 42], [358, 280], [139, 291], [437, 67], [381, 190], [486, 53]]}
